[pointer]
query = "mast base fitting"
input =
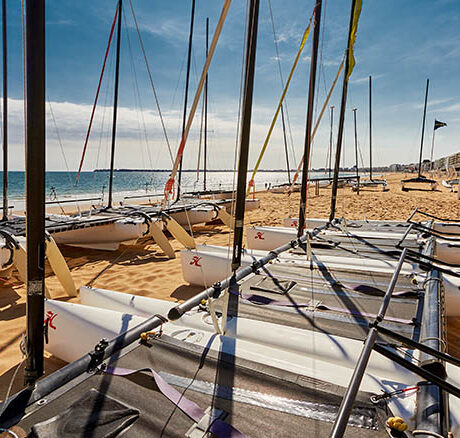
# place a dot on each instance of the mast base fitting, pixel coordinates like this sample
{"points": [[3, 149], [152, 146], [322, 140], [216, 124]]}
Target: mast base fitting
{"points": [[31, 376]]}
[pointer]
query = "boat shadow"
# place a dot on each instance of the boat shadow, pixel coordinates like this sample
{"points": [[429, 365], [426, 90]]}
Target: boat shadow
{"points": [[9, 307], [185, 291]]}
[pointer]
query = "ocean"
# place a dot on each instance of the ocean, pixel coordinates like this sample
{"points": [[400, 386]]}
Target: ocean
{"points": [[62, 185]]}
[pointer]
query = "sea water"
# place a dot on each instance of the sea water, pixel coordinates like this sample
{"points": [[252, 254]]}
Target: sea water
{"points": [[63, 186]]}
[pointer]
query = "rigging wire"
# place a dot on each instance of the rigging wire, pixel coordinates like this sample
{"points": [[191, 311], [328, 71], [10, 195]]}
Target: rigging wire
{"points": [[59, 141], [157, 102], [285, 104], [137, 97], [97, 95]]}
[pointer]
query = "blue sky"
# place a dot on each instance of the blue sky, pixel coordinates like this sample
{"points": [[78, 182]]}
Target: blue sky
{"points": [[400, 43]]}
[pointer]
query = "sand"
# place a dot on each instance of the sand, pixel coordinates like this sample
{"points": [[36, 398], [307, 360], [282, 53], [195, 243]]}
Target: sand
{"points": [[143, 269]]}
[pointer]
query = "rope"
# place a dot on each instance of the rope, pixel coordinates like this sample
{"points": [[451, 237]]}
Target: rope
{"points": [[157, 102], [97, 95], [10, 386], [427, 432]]}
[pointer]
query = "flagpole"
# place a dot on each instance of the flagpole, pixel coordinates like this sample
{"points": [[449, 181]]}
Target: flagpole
{"points": [[432, 149]]}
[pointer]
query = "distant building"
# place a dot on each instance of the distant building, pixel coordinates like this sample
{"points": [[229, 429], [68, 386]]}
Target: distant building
{"points": [[395, 167]]}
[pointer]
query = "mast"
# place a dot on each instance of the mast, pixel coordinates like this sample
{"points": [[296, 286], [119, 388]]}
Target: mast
{"points": [[356, 142], [370, 127], [251, 44], [331, 141], [187, 80], [115, 105], [285, 145], [343, 104], [423, 129], [311, 100], [35, 187], [5, 115], [206, 110]]}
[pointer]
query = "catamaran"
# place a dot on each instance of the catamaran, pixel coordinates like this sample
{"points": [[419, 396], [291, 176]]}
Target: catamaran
{"points": [[265, 352]]}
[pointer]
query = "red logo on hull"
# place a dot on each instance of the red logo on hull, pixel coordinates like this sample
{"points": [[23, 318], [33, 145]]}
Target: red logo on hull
{"points": [[259, 235], [196, 261], [49, 317]]}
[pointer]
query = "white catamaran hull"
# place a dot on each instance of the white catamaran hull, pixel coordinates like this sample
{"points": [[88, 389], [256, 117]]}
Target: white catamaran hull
{"points": [[319, 222], [310, 353], [207, 264], [194, 216], [447, 251], [94, 235], [268, 238], [447, 228], [74, 330]]}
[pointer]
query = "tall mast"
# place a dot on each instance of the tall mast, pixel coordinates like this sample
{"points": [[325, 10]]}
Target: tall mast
{"points": [[285, 145], [423, 129], [331, 141], [206, 110], [35, 187], [251, 45], [356, 142], [342, 113], [5, 115], [370, 127], [187, 79], [115, 104], [311, 100]]}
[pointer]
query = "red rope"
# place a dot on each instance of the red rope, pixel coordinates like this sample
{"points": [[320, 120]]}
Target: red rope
{"points": [[97, 95]]}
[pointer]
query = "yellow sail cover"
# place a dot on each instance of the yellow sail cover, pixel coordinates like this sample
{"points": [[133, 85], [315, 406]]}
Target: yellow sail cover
{"points": [[354, 29]]}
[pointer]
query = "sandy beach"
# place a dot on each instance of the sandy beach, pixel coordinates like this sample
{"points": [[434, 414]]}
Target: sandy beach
{"points": [[143, 269]]}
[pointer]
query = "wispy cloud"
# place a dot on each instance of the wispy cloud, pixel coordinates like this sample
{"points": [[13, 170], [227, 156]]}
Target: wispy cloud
{"points": [[449, 108], [434, 102], [365, 79]]}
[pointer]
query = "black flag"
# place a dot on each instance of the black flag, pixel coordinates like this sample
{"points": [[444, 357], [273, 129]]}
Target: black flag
{"points": [[438, 124]]}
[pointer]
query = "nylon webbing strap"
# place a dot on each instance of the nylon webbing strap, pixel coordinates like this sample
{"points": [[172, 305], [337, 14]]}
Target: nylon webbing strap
{"points": [[219, 428]]}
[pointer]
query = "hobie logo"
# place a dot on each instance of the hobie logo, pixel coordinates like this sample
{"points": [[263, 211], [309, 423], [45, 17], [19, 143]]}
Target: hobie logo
{"points": [[259, 235], [294, 224], [49, 317], [196, 261]]}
